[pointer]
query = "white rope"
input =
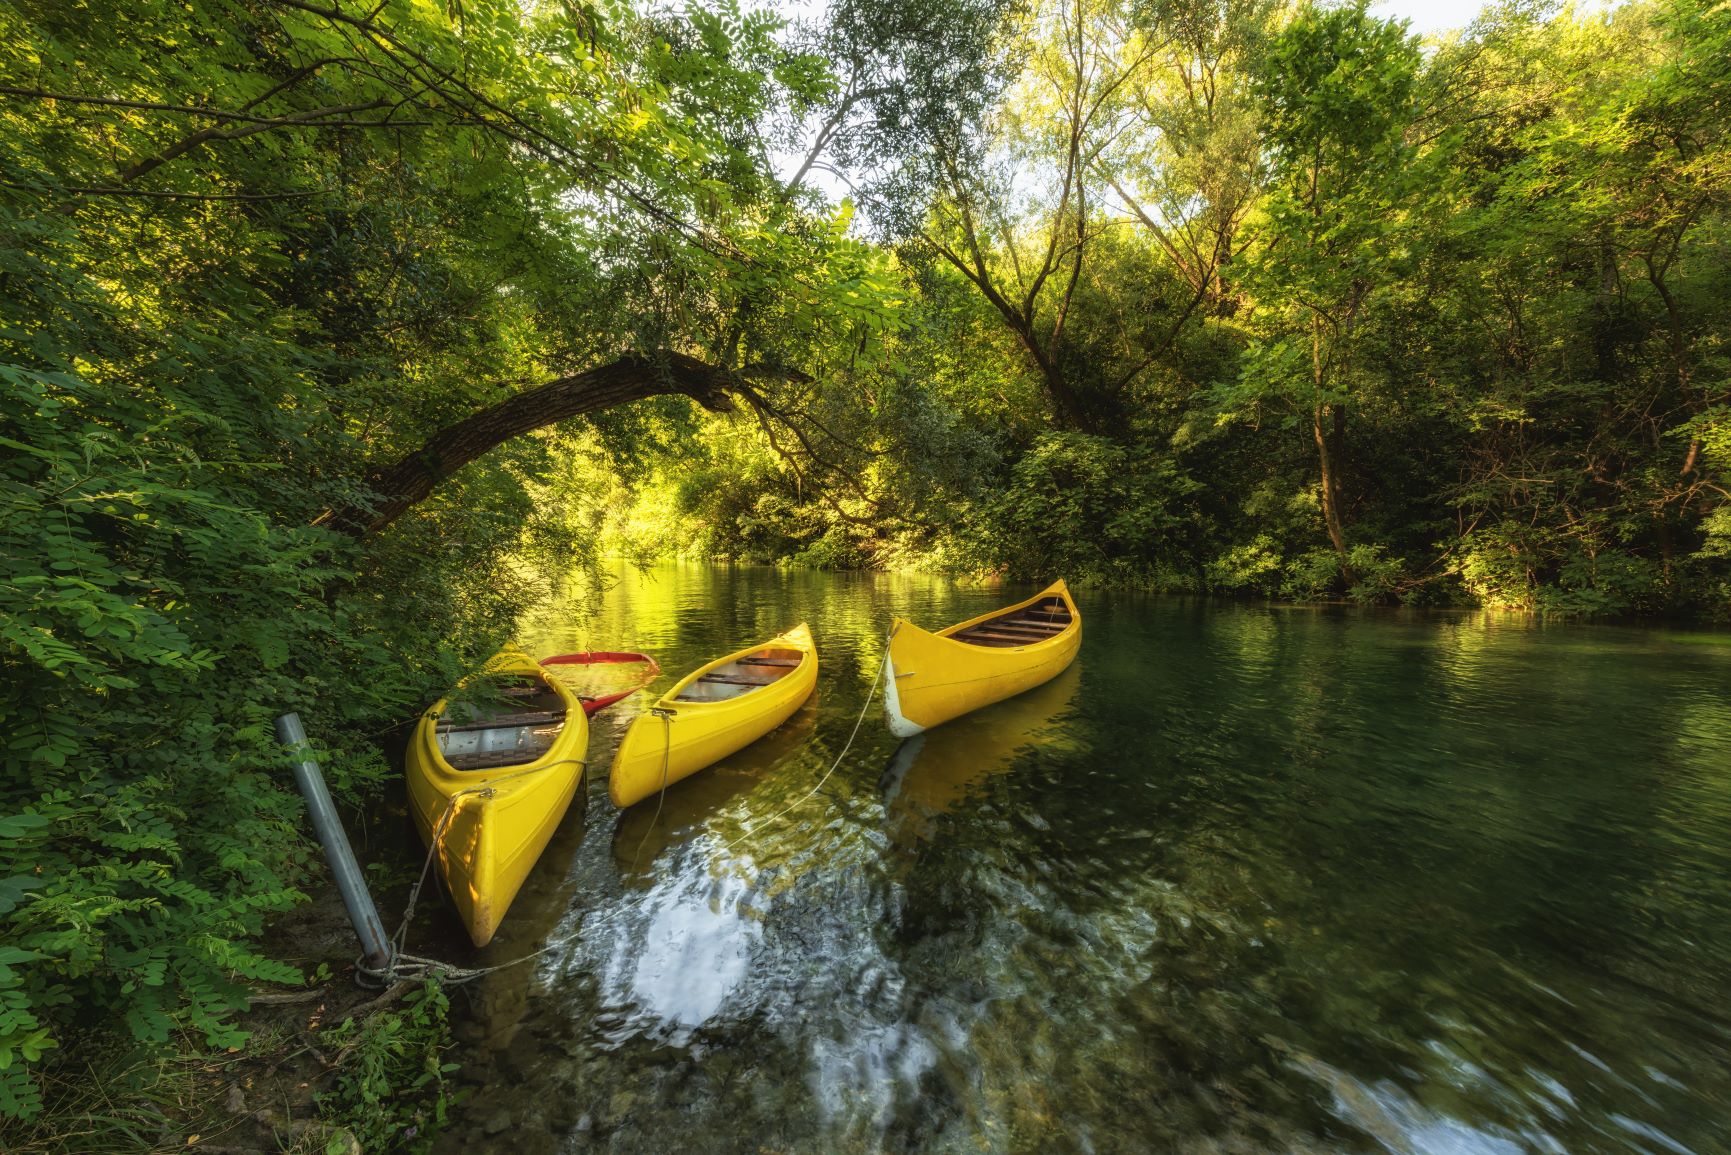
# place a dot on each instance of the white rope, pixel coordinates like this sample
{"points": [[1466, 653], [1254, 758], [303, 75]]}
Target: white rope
{"points": [[403, 965], [846, 746], [666, 717], [408, 966]]}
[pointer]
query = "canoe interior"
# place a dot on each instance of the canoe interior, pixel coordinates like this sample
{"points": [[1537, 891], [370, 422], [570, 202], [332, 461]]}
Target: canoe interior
{"points": [[518, 727], [1044, 619], [741, 676]]}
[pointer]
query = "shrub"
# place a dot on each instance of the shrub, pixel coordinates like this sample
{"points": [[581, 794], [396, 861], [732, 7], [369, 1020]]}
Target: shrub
{"points": [[391, 1092], [1083, 507]]}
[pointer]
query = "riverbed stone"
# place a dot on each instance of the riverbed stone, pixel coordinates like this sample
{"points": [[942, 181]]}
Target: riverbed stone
{"points": [[620, 1105]]}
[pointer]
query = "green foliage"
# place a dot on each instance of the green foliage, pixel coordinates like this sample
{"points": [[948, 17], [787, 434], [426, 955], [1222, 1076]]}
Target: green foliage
{"points": [[1086, 508], [1350, 318], [391, 1092], [256, 250], [147, 838], [1318, 572]]}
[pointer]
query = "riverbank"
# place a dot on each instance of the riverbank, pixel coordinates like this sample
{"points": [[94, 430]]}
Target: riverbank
{"points": [[321, 1069], [1706, 617]]}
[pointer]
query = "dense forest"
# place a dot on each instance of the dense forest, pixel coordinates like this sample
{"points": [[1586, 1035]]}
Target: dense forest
{"points": [[326, 328]]}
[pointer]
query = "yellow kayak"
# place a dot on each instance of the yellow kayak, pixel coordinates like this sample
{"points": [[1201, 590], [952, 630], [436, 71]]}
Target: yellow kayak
{"points": [[714, 711], [936, 677], [491, 783]]}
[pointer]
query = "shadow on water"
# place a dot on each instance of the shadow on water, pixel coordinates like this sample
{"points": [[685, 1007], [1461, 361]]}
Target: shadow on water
{"points": [[1245, 879]]}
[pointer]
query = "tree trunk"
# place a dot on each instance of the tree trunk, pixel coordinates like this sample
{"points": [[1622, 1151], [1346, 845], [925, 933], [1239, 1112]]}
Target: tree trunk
{"points": [[399, 486], [1679, 360], [1327, 442], [1071, 413], [1330, 489]]}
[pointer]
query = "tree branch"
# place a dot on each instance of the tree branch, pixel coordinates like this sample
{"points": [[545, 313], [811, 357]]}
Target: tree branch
{"points": [[399, 486]]}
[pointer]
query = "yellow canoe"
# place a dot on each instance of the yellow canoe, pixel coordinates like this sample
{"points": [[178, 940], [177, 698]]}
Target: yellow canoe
{"points": [[714, 711], [490, 784], [936, 677]]}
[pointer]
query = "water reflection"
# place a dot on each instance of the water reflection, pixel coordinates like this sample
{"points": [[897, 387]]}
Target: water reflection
{"points": [[938, 770], [683, 957], [1247, 880], [644, 831]]}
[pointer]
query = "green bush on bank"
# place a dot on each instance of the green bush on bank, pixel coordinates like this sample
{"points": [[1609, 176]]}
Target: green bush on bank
{"points": [[153, 625], [392, 1091]]}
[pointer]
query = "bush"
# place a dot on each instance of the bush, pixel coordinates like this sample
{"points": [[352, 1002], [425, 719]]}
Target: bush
{"points": [[391, 1092], [163, 596], [1086, 508], [146, 624]]}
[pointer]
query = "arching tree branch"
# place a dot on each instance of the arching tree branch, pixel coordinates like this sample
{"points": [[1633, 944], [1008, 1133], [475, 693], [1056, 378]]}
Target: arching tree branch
{"points": [[399, 486]]}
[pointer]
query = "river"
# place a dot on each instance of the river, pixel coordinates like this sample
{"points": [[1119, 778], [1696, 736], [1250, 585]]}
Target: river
{"points": [[1246, 878]]}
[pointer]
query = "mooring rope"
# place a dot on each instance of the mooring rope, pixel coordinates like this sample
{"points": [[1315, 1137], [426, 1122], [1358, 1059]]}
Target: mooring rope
{"points": [[666, 717], [403, 966], [877, 679]]}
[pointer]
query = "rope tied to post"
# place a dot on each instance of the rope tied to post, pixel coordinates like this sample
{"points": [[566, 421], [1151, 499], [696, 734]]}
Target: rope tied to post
{"points": [[403, 965]]}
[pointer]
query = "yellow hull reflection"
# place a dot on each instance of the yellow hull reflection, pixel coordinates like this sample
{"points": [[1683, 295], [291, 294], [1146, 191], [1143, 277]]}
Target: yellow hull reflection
{"points": [[715, 710], [934, 773], [708, 800]]}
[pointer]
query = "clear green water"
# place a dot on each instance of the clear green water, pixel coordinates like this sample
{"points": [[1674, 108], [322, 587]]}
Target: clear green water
{"points": [[1245, 879]]}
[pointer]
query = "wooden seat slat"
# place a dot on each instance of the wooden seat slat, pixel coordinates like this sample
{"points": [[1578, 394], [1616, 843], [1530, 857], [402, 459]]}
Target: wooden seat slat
{"points": [[983, 632], [504, 722], [737, 680], [494, 761], [1039, 631], [991, 642]]}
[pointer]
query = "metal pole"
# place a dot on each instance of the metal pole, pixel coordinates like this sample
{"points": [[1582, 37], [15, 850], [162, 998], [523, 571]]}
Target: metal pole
{"points": [[362, 913]]}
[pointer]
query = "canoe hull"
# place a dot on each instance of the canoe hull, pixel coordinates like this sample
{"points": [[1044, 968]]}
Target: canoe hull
{"points": [[492, 825], [933, 678], [675, 739]]}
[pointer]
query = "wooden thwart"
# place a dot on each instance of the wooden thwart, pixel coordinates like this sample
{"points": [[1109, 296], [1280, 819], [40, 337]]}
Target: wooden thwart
{"points": [[1018, 627], [788, 662], [504, 722], [737, 680], [994, 635]]}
